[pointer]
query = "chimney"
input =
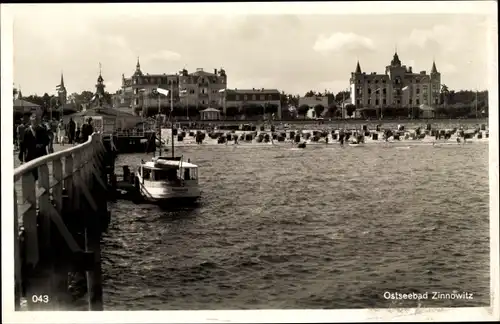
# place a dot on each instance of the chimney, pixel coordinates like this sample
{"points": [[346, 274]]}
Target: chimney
{"points": [[253, 89], [215, 71], [411, 69], [262, 89]]}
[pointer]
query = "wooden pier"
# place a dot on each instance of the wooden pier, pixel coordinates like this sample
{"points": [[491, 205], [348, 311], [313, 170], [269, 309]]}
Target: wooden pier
{"points": [[58, 223]]}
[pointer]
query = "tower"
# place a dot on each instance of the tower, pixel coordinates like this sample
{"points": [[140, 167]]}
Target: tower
{"points": [[99, 93], [138, 68], [435, 84], [61, 91]]}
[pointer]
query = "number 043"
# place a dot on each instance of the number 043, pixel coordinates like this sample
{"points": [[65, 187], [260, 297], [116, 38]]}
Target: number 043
{"points": [[40, 299]]}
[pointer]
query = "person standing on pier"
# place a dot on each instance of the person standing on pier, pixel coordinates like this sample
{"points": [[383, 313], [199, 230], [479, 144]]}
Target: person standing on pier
{"points": [[61, 132], [20, 135], [71, 130], [87, 130], [50, 133], [35, 142]]}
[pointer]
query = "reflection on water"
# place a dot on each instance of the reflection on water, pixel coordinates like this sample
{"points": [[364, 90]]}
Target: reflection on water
{"points": [[327, 227]]}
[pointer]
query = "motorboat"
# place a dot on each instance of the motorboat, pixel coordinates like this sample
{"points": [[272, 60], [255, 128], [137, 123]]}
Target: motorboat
{"points": [[168, 178]]}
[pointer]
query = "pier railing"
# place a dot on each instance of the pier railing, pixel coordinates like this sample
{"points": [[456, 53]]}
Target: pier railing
{"points": [[57, 224]]}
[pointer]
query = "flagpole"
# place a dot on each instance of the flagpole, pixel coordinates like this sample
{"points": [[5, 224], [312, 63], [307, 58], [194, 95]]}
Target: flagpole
{"points": [[172, 121], [158, 119]]}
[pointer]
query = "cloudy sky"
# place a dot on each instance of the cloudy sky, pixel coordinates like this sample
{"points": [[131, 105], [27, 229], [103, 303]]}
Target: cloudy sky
{"points": [[294, 51]]}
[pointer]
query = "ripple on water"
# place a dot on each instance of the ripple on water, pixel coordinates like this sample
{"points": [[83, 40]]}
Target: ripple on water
{"points": [[315, 228]]}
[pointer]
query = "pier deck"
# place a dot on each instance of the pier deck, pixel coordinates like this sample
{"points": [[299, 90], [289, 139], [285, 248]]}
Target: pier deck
{"points": [[58, 222]]}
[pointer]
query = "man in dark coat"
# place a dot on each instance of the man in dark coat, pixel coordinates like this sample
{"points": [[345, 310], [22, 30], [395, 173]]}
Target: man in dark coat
{"points": [[87, 130], [35, 142], [71, 131]]}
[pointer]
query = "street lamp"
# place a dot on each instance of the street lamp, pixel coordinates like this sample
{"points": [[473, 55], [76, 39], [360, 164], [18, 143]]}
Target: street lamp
{"points": [[50, 106]]}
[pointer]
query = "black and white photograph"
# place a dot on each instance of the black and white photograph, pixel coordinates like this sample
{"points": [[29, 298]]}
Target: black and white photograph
{"points": [[250, 162]]}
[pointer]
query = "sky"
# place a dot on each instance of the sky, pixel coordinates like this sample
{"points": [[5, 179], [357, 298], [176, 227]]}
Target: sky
{"points": [[290, 50]]}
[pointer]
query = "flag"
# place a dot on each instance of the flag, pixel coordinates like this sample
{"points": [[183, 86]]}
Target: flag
{"points": [[405, 88], [93, 98], [162, 91], [184, 91], [222, 90]]}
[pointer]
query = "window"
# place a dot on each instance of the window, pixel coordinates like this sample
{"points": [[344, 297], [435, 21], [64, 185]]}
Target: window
{"points": [[418, 90], [270, 97], [254, 97], [384, 91], [436, 101], [398, 102], [203, 102], [368, 81], [384, 81], [417, 80], [369, 91], [136, 101], [376, 81], [245, 97], [417, 101], [237, 97], [384, 102], [410, 101], [146, 174], [359, 81], [358, 102], [369, 102], [262, 97]]}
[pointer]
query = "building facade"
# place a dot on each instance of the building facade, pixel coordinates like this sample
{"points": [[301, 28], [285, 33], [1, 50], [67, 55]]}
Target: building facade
{"points": [[242, 97], [398, 87], [200, 89]]}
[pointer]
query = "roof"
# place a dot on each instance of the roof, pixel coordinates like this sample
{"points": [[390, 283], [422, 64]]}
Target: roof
{"points": [[24, 103], [253, 91], [202, 73], [210, 109], [161, 164]]}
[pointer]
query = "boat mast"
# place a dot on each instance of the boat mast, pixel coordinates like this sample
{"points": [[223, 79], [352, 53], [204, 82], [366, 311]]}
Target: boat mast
{"points": [[158, 119], [172, 119]]}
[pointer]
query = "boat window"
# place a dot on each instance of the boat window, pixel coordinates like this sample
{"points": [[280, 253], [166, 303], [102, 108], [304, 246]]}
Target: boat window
{"points": [[169, 174], [186, 174], [146, 174], [193, 173]]}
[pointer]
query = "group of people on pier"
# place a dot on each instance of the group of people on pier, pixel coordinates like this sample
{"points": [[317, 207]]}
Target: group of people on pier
{"points": [[36, 138]]}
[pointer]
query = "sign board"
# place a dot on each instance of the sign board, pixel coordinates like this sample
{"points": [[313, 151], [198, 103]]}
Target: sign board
{"points": [[108, 126]]}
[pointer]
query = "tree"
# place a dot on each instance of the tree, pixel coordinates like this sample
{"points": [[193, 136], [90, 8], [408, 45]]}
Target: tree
{"points": [[271, 109], [319, 109], [342, 95], [444, 94], [232, 111], [332, 109], [350, 108], [310, 93], [302, 110]]}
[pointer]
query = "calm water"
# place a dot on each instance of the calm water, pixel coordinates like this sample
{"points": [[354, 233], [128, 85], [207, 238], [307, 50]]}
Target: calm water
{"points": [[323, 227]]}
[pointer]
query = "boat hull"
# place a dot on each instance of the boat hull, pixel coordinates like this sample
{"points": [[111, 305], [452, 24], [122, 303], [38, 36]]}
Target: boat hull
{"points": [[162, 192]]}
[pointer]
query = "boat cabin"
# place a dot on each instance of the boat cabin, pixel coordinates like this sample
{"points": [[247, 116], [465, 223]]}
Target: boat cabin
{"points": [[169, 170]]}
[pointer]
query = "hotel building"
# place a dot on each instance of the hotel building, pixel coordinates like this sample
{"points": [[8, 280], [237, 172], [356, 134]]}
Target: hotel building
{"points": [[242, 97], [398, 87], [200, 89]]}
